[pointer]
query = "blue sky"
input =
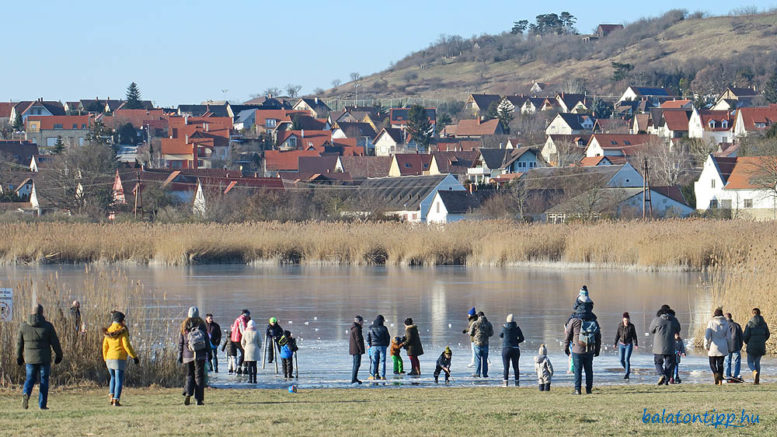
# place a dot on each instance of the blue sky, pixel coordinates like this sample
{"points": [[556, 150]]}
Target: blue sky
{"points": [[188, 51]]}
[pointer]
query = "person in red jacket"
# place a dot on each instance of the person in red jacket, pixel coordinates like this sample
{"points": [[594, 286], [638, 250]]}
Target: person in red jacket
{"points": [[238, 326]]}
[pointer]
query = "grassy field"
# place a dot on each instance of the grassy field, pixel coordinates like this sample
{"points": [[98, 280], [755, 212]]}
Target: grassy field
{"points": [[444, 411]]}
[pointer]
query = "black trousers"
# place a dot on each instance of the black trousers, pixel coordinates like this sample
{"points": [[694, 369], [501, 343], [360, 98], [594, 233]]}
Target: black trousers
{"points": [[195, 379], [288, 367], [716, 364], [251, 370], [438, 370], [511, 355]]}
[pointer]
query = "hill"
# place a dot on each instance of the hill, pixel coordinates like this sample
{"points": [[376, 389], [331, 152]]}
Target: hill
{"points": [[686, 53]]}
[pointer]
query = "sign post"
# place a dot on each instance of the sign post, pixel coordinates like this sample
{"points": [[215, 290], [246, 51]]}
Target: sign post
{"points": [[6, 304]]}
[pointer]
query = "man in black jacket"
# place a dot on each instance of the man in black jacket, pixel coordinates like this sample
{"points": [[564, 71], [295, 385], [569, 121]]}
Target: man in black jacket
{"points": [[274, 333], [735, 344], [214, 333], [356, 347], [37, 338], [378, 339]]}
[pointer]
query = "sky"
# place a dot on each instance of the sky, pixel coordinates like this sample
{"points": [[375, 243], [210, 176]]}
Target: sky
{"points": [[190, 51]]}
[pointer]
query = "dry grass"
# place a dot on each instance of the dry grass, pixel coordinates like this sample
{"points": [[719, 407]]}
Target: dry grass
{"points": [[685, 244], [151, 330]]}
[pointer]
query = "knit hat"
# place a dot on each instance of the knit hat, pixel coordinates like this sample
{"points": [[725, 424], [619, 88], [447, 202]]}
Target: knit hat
{"points": [[273, 320], [37, 309], [117, 316], [543, 350], [626, 315], [408, 321], [194, 312], [251, 325], [358, 319], [448, 350], [509, 318], [471, 312], [246, 312]]}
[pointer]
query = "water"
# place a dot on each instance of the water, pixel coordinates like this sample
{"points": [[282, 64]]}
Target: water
{"points": [[318, 303]]}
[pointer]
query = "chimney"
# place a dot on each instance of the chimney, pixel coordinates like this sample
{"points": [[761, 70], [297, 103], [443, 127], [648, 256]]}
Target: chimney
{"points": [[186, 139], [207, 127], [303, 133], [316, 100]]}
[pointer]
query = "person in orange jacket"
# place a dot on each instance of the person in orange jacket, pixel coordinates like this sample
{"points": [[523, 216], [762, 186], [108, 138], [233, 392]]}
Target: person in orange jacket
{"points": [[116, 349]]}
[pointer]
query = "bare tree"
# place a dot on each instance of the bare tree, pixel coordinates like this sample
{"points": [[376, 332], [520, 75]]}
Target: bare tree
{"points": [[567, 153], [292, 90], [336, 83], [272, 91], [669, 164], [355, 76]]}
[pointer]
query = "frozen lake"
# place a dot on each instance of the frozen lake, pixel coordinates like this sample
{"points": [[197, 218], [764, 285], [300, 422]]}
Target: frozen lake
{"points": [[317, 303]]}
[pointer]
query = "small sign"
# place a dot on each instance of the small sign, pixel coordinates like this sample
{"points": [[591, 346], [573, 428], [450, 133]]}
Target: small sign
{"points": [[6, 304]]}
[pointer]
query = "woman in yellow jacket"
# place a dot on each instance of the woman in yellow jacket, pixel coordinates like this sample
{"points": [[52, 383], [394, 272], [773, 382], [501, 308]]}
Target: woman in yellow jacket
{"points": [[116, 348]]}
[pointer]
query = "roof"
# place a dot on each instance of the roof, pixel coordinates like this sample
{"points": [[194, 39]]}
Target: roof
{"points": [[747, 170], [5, 109], [483, 101], [650, 91], [55, 108], [307, 139], [676, 120], [276, 160], [401, 193], [671, 191], [604, 200], [357, 129], [400, 115], [571, 100], [137, 117], [317, 164], [455, 162], [262, 115], [718, 117], [67, 122], [725, 166], [413, 163], [593, 161], [396, 134], [476, 128], [316, 103], [612, 125], [517, 101], [20, 152], [620, 140], [743, 92], [676, 104], [361, 167], [458, 202], [575, 121], [643, 121], [563, 178], [495, 158], [766, 115]]}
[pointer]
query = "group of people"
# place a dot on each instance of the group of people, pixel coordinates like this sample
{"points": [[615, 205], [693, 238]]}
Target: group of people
{"points": [[199, 340]]}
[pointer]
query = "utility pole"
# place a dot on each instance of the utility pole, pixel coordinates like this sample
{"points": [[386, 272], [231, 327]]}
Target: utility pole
{"points": [[138, 197], [647, 202]]}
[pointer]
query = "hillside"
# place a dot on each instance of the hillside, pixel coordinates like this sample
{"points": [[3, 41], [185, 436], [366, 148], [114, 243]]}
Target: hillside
{"points": [[686, 53]]}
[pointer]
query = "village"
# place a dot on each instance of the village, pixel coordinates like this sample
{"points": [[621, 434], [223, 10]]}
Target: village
{"points": [[539, 155]]}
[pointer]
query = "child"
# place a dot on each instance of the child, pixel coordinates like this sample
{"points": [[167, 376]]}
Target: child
{"points": [[544, 368], [231, 349], [288, 346], [443, 365], [679, 351], [396, 349]]}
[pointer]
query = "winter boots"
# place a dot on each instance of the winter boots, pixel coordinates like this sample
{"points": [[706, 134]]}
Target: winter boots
{"points": [[505, 383]]}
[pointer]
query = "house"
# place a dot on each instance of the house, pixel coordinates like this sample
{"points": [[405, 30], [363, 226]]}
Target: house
{"points": [[755, 119], [390, 141], [410, 164], [38, 107], [276, 161], [478, 104], [516, 101], [452, 206], [619, 203], [570, 124], [536, 104], [408, 197], [362, 132], [207, 138], [455, 163], [712, 127], [672, 124], [734, 98], [447, 144], [477, 128], [363, 167], [742, 186], [45, 131], [138, 118], [594, 161], [398, 117], [304, 140], [488, 165], [543, 89], [267, 120], [563, 150], [18, 152], [603, 30], [245, 120], [611, 126], [315, 106], [574, 103], [654, 94], [5, 114], [677, 104], [205, 109], [615, 145]]}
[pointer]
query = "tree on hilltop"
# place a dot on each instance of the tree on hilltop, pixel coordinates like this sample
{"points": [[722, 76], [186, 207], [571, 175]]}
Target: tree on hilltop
{"points": [[133, 97]]}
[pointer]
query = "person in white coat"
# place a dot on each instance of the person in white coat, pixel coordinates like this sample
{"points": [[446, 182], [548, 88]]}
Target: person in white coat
{"points": [[252, 345], [716, 343]]}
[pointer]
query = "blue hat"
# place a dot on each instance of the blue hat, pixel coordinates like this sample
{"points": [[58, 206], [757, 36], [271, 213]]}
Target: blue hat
{"points": [[471, 312]]}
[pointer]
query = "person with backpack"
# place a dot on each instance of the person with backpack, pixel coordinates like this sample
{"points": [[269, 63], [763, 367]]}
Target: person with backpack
{"points": [[472, 316], [413, 347], [37, 337], [378, 340], [755, 336], [544, 368], [116, 349], [480, 331], [214, 335], [252, 347], [583, 341], [663, 327], [356, 347], [193, 352], [716, 342], [512, 337], [273, 333], [238, 326], [735, 350], [626, 340], [288, 348]]}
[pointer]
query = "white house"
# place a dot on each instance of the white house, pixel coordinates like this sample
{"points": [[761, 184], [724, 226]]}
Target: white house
{"points": [[407, 197], [390, 141], [638, 93], [731, 184], [452, 206], [621, 203], [568, 124], [614, 145], [712, 127], [755, 119]]}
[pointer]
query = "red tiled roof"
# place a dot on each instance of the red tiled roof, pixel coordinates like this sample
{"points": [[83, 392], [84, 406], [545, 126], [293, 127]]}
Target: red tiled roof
{"points": [[619, 140], [413, 164], [67, 121], [5, 109], [675, 104], [176, 146], [758, 114], [676, 120], [746, 170], [717, 117], [137, 117], [276, 160], [593, 161], [476, 128], [306, 139]]}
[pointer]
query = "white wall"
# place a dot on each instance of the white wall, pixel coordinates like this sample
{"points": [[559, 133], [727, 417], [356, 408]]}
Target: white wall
{"points": [[704, 188]]}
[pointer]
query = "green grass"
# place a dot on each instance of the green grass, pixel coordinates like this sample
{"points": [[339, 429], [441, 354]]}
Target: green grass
{"points": [[395, 412]]}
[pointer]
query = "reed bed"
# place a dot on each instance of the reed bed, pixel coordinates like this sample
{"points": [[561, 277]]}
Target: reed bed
{"points": [[153, 330], [676, 244]]}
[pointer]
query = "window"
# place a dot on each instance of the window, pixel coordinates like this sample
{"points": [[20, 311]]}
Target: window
{"points": [[51, 142], [269, 122], [724, 124], [748, 203], [725, 204], [712, 183], [713, 204], [712, 124], [75, 125], [293, 141], [83, 125], [438, 207], [57, 125], [627, 142], [532, 164]]}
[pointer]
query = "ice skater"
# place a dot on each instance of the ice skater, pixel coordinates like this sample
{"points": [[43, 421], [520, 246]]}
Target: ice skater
{"points": [[443, 365]]}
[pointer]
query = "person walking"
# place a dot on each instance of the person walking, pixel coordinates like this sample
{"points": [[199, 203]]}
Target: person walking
{"points": [[626, 340], [75, 316], [413, 347], [378, 339], [481, 331], [472, 316], [716, 343], [193, 351], [238, 326], [252, 346], [37, 338], [583, 341], [273, 333], [755, 336], [512, 337], [664, 327], [735, 350], [116, 349], [214, 335], [356, 347]]}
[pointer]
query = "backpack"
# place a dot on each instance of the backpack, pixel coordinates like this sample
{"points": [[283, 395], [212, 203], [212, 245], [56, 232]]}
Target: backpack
{"points": [[196, 340], [587, 336]]}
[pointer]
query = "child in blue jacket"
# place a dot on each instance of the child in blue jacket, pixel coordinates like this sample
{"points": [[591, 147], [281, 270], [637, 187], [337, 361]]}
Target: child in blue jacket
{"points": [[288, 346]]}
